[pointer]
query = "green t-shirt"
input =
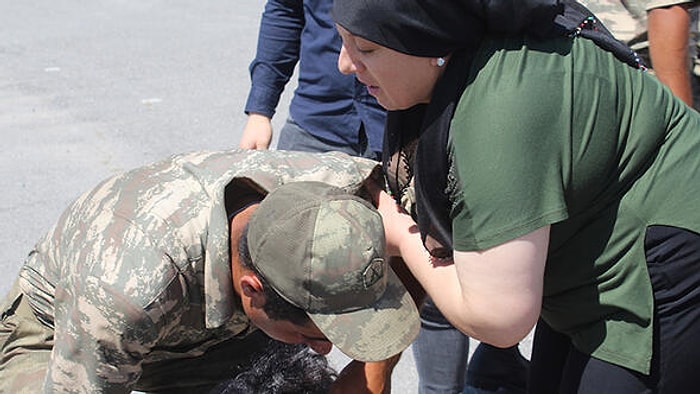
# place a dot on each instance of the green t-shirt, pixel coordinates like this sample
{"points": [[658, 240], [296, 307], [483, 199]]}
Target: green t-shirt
{"points": [[561, 133]]}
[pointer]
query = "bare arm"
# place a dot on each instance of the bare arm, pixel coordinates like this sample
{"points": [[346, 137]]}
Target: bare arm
{"points": [[668, 29], [371, 378], [493, 295], [277, 53]]}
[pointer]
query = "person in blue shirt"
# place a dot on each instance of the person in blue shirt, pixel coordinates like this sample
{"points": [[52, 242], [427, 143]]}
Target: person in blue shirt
{"points": [[329, 110]]}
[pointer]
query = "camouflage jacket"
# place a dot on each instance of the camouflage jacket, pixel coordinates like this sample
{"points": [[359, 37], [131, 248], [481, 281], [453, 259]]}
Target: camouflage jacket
{"points": [[138, 269]]}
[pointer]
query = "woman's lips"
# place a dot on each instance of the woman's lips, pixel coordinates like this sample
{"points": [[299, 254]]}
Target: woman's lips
{"points": [[372, 89]]}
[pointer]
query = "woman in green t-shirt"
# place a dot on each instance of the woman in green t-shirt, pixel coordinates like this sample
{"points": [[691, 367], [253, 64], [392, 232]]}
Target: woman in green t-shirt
{"points": [[556, 183]]}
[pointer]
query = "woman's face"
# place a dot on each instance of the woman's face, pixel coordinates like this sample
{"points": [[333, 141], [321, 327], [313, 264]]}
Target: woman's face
{"points": [[398, 81]]}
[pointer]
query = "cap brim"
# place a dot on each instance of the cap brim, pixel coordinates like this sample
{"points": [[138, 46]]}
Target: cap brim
{"points": [[374, 333]]}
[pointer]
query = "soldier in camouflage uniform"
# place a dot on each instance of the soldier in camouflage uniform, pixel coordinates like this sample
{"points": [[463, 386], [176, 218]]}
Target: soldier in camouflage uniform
{"points": [[159, 278], [661, 32]]}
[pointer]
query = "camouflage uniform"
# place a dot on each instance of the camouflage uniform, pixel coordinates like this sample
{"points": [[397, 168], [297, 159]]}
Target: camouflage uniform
{"points": [[627, 21], [132, 288]]}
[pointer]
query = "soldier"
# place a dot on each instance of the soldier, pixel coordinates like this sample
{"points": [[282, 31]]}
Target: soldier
{"points": [[660, 31], [168, 278]]}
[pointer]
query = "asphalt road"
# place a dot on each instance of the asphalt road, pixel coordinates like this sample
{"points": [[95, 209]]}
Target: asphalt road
{"points": [[92, 88], [88, 89]]}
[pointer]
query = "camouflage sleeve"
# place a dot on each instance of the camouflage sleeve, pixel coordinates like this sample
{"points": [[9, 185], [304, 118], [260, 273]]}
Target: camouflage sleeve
{"points": [[102, 333]]}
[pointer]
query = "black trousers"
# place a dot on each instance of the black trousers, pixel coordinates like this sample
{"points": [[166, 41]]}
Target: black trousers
{"points": [[673, 260]]}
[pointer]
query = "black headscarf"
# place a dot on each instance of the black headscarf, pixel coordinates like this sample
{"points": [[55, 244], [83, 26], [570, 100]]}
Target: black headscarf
{"points": [[433, 28], [437, 27]]}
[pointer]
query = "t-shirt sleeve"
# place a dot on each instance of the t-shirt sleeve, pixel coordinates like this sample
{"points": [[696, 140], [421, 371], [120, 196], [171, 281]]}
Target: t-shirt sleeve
{"points": [[509, 135]]}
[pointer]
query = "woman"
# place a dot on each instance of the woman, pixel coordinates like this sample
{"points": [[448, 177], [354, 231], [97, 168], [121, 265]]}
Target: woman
{"points": [[554, 180]]}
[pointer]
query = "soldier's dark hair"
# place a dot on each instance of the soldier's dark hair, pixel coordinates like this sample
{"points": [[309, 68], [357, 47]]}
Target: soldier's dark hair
{"points": [[276, 307], [282, 369]]}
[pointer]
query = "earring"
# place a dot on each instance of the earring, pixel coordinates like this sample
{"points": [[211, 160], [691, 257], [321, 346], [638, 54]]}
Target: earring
{"points": [[440, 61]]}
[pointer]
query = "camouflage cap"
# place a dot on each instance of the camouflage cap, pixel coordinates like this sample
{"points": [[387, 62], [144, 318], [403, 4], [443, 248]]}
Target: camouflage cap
{"points": [[322, 250]]}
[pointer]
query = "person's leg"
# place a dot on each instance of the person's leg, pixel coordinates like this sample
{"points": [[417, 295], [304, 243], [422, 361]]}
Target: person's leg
{"points": [[440, 352], [673, 258], [550, 351], [441, 355], [584, 374], [25, 346], [556, 367], [497, 370]]}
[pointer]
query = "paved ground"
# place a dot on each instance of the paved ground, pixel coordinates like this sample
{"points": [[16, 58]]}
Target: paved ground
{"points": [[88, 89]]}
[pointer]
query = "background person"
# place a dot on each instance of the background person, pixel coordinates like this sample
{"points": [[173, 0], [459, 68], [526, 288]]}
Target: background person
{"points": [[329, 110], [660, 32]]}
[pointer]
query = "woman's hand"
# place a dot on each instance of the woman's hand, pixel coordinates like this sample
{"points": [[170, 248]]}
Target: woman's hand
{"points": [[493, 295], [398, 224]]}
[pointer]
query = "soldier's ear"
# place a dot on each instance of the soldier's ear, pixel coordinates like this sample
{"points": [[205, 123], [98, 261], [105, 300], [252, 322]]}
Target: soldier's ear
{"points": [[252, 287]]}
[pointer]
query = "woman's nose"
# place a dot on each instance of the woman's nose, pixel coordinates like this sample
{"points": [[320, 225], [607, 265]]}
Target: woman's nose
{"points": [[345, 63]]}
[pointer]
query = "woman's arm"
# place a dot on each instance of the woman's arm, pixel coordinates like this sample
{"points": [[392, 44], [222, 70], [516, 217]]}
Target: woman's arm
{"points": [[492, 295]]}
